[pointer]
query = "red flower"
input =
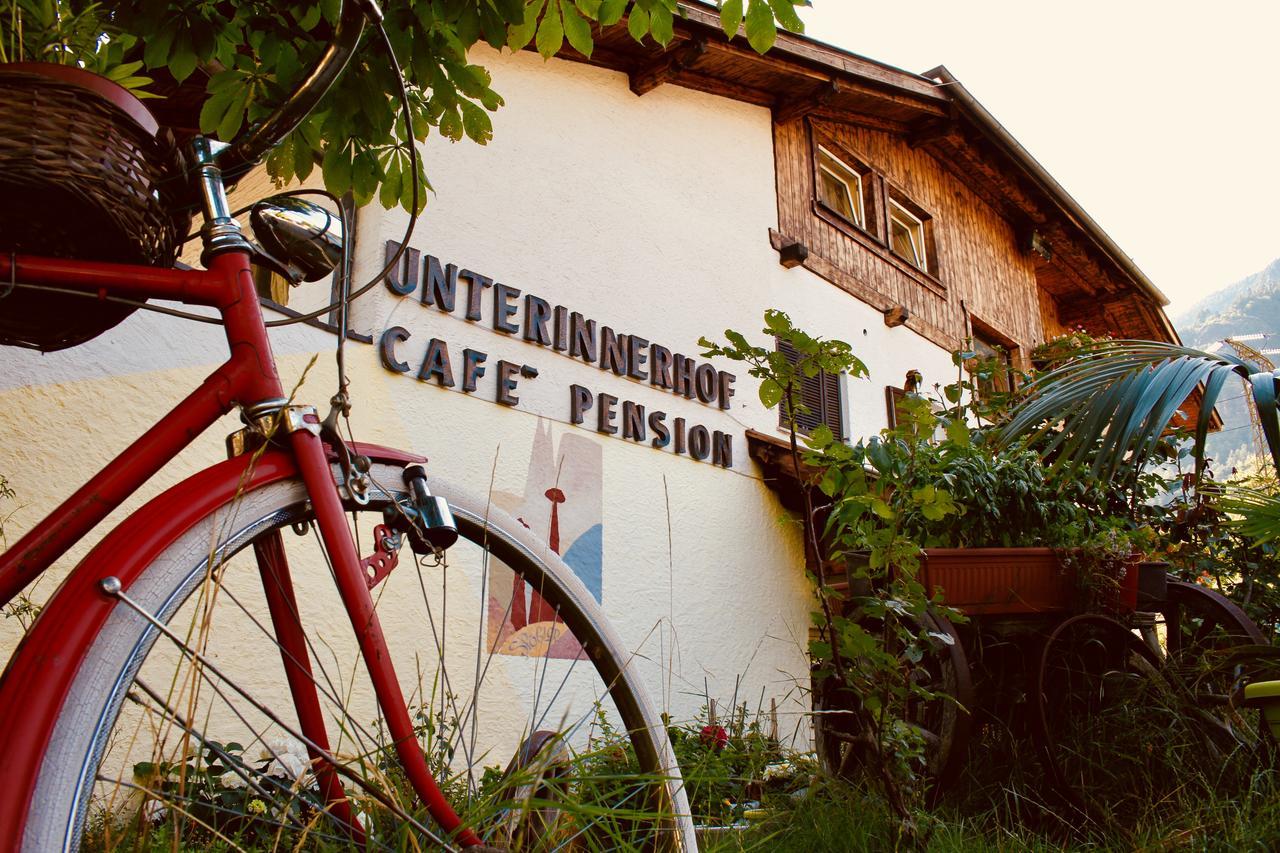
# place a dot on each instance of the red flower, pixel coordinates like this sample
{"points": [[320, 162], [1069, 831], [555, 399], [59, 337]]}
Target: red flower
{"points": [[714, 736]]}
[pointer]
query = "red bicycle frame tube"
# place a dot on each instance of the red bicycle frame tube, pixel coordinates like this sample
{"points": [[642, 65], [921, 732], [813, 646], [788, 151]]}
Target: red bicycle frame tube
{"points": [[35, 683], [248, 376]]}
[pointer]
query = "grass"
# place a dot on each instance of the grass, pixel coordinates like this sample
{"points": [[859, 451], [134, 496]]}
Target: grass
{"points": [[1172, 799]]}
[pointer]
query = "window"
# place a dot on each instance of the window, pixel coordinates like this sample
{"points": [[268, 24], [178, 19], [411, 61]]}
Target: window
{"points": [[906, 236], [894, 398], [860, 201], [820, 396], [994, 362], [840, 188]]}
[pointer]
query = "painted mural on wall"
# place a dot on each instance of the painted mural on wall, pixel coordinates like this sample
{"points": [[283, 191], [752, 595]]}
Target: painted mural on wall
{"points": [[562, 505]]}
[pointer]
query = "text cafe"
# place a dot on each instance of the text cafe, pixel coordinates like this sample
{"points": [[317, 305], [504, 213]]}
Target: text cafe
{"points": [[447, 288]]}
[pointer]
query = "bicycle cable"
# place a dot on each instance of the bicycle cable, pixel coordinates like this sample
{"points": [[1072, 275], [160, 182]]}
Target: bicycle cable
{"points": [[340, 403]]}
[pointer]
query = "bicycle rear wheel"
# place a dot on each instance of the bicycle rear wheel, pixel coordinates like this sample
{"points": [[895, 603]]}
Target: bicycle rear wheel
{"points": [[536, 727]]}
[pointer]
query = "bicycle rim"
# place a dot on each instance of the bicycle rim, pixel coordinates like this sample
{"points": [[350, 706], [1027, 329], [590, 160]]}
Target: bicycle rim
{"points": [[535, 726]]}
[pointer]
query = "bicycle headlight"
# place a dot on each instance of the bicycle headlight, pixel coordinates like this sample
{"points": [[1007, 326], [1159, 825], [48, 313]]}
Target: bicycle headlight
{"points": [[301, 235]]}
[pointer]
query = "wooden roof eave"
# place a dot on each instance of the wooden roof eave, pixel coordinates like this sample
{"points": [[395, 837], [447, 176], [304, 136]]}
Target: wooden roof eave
{"points": [[1067, 205]]}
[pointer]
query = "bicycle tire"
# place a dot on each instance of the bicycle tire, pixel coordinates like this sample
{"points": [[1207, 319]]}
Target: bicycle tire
{"points": [[63, 799]]}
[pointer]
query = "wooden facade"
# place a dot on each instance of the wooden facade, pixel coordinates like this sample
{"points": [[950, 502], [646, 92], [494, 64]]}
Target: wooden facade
{"points": [[1015, 255], [979, 271]]}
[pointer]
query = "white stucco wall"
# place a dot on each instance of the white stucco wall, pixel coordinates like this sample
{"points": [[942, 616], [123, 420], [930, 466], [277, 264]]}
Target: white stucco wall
{"points": [[649, 215]]}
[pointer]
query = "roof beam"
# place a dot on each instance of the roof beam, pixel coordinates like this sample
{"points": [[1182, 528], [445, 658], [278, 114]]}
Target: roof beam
{"points": [[665, 66], [790, 109]]}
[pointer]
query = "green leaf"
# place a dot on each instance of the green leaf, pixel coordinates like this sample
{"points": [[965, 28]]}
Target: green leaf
{"points": [[731, 17], [157, 50], [821, 437], [590, 8], [389, 195], [123, 70], [304, 156], [761, 30], [181, 64], [611, 12], [958, 432], [451, 124], [777, 323], [785, 12], [510, 10], [519, 35], [576, 29], [364, 177], [550, 31], [476, 123], [638, 23], [231, 120], [337, 169], [661, 25], [307, 20], [770, 393]]}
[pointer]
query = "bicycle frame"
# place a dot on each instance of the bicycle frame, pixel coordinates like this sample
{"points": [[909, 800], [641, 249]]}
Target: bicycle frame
{"points": [[247, 379]]}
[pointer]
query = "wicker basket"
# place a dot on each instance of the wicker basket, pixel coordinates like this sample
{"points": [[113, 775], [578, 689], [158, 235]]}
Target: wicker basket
{"points": [[84, 173]]}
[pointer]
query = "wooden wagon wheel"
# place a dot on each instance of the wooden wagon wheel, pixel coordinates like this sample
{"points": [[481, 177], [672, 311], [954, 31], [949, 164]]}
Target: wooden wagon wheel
{"points": [[1094, 691], [1211, 648], [945, 722]]}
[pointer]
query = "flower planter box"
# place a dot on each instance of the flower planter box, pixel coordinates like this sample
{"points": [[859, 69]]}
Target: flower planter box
{"points": [[1010, 581]]}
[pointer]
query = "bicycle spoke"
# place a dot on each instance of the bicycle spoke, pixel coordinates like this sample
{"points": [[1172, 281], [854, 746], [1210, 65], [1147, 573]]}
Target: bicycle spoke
{"points": [[111, 586], [328, 689]]}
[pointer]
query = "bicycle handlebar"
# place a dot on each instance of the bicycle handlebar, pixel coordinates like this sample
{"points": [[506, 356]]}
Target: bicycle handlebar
{"points": [[261, 137]]}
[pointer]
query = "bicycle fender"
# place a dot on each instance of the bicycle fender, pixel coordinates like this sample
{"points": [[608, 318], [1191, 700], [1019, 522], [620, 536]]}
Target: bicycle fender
{"points": [[39, 675]]}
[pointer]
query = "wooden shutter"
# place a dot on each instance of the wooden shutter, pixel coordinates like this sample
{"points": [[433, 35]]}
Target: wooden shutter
{"points": [[820, 394]]}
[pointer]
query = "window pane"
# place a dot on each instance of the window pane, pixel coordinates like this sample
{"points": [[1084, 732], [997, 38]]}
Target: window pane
{"points": [[839, 187], [906, 235], [835, 194]]}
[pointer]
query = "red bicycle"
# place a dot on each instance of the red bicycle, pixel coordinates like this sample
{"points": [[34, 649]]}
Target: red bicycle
{"points": [[207, 628]]}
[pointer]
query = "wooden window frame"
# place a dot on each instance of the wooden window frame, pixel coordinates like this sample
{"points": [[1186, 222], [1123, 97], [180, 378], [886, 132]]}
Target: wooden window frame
{"points": [[828, 410], [914, 225], [856, 192], [980, 329], [868, 202], [877, 193], [893, 397]]}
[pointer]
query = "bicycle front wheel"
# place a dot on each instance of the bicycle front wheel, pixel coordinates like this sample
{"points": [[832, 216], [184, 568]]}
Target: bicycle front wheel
{"points": [[527, 703]]}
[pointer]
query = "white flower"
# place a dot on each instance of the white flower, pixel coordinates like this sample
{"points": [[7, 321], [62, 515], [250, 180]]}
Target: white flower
{"points": [[231, 779], [288, 757], [780, 770]]}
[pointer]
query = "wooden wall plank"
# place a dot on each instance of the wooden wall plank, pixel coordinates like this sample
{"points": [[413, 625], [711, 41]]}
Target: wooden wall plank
{"points": [[981, 266]]}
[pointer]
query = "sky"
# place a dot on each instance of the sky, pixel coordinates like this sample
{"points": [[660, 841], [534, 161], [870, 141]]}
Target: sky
{"points": [[1161, 119]]}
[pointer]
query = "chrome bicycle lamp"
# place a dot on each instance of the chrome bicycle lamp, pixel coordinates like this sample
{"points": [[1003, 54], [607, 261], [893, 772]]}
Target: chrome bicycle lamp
{"points": [[425, 518], [302, 237]]}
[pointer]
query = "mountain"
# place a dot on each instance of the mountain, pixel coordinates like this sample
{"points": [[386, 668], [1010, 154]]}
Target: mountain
{"points": [[1250, 306]]}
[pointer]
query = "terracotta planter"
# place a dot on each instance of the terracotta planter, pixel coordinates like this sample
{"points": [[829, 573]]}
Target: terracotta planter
{"points": [[1004, 581], [1012, 581], [119, 96]]}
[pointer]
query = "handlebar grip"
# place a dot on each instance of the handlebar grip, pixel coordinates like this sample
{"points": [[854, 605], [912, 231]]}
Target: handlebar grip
{"points": [[256, 140]]}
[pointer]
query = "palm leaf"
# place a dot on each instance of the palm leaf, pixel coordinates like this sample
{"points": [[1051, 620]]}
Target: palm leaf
{"points": [[1112, 402], [1257, 513]]}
